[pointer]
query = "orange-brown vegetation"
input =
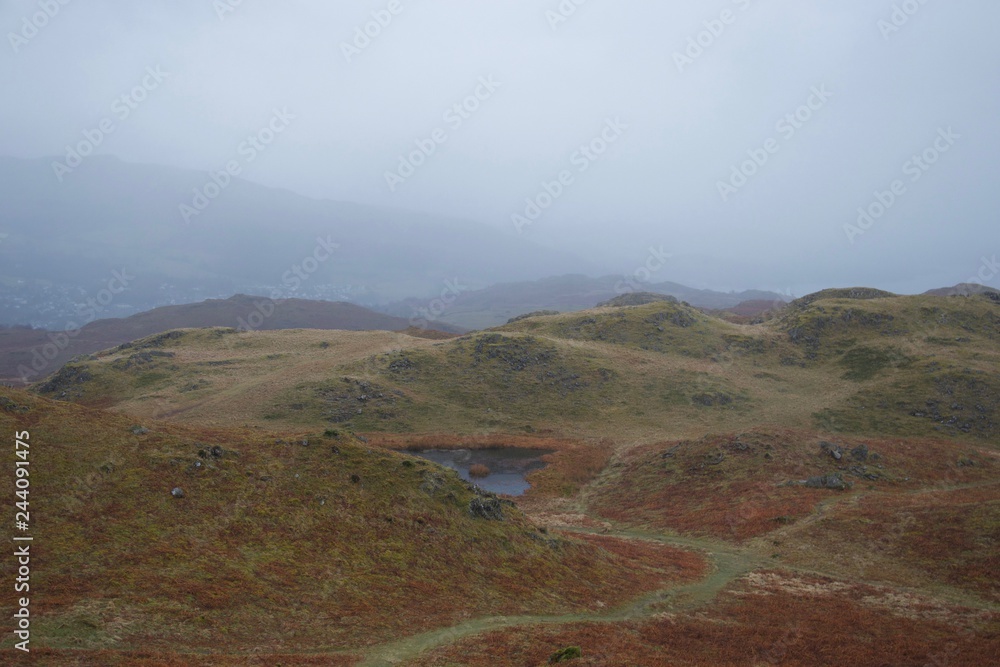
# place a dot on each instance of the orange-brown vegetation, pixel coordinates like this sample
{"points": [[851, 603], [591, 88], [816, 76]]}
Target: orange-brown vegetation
{"points": [[78, 658], [738, 486], [478, 470], [766, 618], [950, 536], [279, 544]]}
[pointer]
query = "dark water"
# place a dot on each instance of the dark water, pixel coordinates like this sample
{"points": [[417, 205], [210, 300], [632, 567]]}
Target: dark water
{"points": [[508, 467]]}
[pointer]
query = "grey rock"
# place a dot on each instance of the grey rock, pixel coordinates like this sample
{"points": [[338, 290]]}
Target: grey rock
{"points": [[831, 481], [487, 508]]}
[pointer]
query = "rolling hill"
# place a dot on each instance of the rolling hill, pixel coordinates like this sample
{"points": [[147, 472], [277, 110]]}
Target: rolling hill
{"points": [[820, 488], [34, 354], [842, 361], [166, 544]]}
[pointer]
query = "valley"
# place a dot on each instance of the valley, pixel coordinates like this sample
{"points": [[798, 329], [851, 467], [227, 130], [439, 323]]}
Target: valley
{"points": [[817, 488]]}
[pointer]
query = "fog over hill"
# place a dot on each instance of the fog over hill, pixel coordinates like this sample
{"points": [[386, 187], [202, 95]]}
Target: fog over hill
{"points": [[110, 216]]}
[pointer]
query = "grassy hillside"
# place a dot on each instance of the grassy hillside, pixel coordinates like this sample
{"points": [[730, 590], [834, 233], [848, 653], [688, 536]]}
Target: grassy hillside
{"points": [[298, 543], [912, 366], [835, 468], [29, 351]]}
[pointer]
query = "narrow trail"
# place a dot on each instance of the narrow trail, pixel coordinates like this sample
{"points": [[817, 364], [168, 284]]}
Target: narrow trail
{"points": [[727, 561], [727, 564]]}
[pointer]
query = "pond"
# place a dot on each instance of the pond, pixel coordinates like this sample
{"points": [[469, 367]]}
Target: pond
{"points": [[507, 467]]}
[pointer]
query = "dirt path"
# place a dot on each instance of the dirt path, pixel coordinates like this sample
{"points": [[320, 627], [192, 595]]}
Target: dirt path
{"points": [[727, 563]]}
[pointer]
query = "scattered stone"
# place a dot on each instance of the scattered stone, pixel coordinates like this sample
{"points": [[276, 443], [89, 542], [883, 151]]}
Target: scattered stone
{"points": [[11, 406], [139, 430], [966, 463], [831, 481], [487, 508], [178, 492], [860, 453], [214, 452], [669, 454], [833, 450], [712, 399], [356, 479], [433, 482], [304, 443], [862, 471]]}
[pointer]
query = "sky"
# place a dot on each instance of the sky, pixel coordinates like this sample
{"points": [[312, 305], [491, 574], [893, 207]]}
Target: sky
{"points": [[760, 144]]}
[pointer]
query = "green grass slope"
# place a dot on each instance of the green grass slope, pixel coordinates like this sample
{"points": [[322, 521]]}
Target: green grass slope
{"points": [[854, 361]]}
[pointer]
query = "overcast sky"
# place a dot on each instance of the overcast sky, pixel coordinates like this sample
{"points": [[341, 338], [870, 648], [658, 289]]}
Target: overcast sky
{"points": [[872, 86]]}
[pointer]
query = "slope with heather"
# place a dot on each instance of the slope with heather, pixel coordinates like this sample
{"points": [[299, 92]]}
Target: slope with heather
{"points": [[283, 544]]}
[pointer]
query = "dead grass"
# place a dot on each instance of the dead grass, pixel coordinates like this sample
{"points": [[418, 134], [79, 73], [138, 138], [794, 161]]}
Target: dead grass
{"points": [[277, 544], [763, 619], [736, 486]]}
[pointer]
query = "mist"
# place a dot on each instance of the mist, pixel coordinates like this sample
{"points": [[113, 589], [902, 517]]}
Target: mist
{"points": [[784, 146]]}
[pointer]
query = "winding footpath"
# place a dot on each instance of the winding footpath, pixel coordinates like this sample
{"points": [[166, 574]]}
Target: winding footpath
{"points": [[726, 561]]}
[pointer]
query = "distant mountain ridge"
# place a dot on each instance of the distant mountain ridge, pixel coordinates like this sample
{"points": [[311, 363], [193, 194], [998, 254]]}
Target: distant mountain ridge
{"points": [[43, 352], [963, 289], [64, 240], [495, 305]]}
